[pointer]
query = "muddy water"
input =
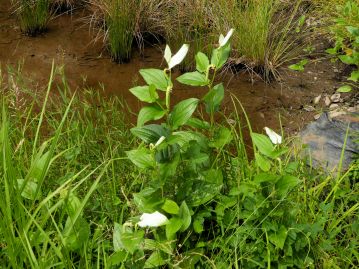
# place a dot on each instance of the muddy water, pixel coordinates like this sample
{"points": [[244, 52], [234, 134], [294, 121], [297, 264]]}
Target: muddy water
{"points": [[70, 43]]}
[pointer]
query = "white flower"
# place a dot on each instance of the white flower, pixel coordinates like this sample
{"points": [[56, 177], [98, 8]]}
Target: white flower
{"points": [[155, 219], [224, 40], [273, 136], [177, 58]]}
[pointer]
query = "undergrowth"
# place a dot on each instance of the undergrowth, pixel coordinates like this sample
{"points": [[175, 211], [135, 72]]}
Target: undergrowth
{"points": [[79, 187]]}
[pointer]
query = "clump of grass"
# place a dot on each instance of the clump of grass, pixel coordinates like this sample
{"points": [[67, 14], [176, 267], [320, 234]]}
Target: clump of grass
{"points": [[118, 19], [268, 33], [189, 22], [34, 15]]}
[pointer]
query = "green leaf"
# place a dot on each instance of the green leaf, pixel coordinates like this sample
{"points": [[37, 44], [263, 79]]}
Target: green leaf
{"points": [[354, 76], [185, 216], [344, 89], [76, 234], [142, 158], [278, 238], [265, 177], [263, 144], [171, 207], [353, 30], [182, 112], [125, 239], [222, 137], [220, 56], [198, 124], [156, 77], [28, 190], [172, 227], [202, 62], [146, 94], [193, 79], [148, 200], [148, 113], [214, 98], [286, 184], [332, 51], [299, 66], [155, 260], [347, 59], [150, 133], [262, 162]]}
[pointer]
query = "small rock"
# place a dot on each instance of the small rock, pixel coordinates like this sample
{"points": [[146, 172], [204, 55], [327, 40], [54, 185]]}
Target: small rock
{"points": [[352, 109], [333, 106], [336, 113], [309, 108], [335, 98], [317, 116], [327, 101], [317, 99], [315, 78], [336, 70]]}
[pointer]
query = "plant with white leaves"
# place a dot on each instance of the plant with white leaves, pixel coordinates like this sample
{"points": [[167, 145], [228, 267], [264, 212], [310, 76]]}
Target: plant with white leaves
{"points": [[155, 219], [176, 59], [223, 40], [273, 136]]}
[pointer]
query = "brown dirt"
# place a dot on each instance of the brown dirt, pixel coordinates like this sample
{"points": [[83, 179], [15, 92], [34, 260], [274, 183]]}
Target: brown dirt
{"points": [[70, 43]]}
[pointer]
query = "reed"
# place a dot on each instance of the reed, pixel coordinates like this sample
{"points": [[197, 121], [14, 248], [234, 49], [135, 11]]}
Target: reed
{"points": [[34, 15]]}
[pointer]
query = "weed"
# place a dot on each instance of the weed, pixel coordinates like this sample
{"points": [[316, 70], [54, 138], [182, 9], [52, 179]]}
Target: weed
{"points": [[33, 15]]}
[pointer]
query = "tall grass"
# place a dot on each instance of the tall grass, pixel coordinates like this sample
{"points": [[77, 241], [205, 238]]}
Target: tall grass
{"points": [[119, 21], [34, 15], [60, 163], [267, 35]]}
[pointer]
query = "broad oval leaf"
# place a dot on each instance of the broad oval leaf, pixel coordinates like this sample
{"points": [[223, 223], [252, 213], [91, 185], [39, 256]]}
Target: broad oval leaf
{"points": [[202, 62], [170, 207], [262, 162], [150, 133], [156, 77], [142, 158], [173, 227], [185, 215], [146, 94], [193, 79], [263, 144], [344, 89], [182, 112], [214, 98], [148, 113]]}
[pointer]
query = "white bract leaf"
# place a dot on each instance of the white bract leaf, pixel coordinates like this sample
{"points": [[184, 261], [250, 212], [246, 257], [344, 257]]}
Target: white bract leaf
{"points": [[224, 40], [155, 219], [178, 57], [168, 54], [273, 136], [162, 138]]}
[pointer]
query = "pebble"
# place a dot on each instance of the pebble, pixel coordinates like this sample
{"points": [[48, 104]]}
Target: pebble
{"points": [[335, 98], [309, 108], [317, 99], [333, 106], [317, 116], [327, 101]]}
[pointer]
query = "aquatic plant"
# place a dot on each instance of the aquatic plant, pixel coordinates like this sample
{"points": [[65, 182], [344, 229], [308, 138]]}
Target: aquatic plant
{"points": [[34, 15]]}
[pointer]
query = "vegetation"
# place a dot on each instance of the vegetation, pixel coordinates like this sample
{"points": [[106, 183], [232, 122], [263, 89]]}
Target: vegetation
{"points": [[33, 15], [75, 185], [346, 35]]}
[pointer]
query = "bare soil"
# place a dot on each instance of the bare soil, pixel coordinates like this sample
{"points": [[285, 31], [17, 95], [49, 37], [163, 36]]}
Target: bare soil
{"points": [[69, 42]]}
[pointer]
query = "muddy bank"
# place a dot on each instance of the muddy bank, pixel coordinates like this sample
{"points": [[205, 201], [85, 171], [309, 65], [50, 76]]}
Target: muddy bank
{"points": [[70, 43]]}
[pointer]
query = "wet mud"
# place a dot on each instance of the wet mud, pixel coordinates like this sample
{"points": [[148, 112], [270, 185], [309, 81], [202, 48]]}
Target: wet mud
{"points": [[70, 43]]}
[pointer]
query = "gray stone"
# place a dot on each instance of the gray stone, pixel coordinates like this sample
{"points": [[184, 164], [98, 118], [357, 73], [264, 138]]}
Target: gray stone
{"points": [[335, 98], [325, 139]]}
